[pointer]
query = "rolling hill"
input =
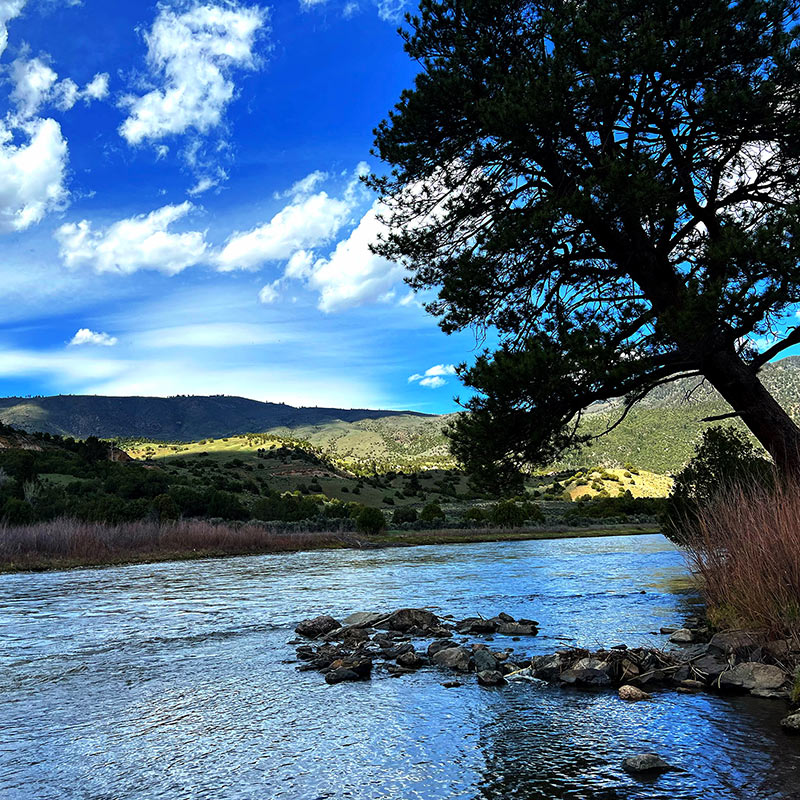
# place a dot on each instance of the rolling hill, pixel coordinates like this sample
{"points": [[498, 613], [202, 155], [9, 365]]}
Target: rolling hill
{"points": [[658, 435]]}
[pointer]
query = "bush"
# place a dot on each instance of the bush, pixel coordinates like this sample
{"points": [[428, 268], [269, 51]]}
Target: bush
{"points": [[370, 521], [507, 514], [406, 514], [432, 512], [166, 508], [476, 514], [16, 512]]}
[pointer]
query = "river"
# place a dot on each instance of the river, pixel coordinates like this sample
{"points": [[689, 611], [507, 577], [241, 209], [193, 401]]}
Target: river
{"points": [[176, 681]]}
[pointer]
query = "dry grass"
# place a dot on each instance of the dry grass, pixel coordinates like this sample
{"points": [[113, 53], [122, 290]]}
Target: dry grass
{"points": [[68, 542], [746, 547]]}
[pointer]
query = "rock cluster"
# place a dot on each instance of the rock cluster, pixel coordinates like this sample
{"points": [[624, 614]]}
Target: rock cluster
{"points": [[348, 650]]}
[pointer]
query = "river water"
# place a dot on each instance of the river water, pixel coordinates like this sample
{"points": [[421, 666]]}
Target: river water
{"points": [[176, 681]]}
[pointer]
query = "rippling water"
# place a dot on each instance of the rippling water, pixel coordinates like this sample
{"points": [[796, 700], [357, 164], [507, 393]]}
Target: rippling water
{"points": [[175, 681]]}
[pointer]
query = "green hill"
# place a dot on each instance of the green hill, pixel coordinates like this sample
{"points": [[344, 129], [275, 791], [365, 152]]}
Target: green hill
{"points": [[658, 435]]}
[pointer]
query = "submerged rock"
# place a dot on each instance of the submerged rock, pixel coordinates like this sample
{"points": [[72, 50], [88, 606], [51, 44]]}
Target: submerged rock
{"points": [[319, 626], [483, 660], [645, 762], [517, 629]]}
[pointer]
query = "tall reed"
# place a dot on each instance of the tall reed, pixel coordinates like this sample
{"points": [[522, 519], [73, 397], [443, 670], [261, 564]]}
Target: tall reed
{"points": [[745, 546]]}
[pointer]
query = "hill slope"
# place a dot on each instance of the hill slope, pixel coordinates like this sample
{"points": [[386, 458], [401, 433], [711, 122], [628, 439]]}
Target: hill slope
{"points": [[182, 418]]}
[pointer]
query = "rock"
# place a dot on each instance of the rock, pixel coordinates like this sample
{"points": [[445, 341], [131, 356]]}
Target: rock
{"points": [[476, 625], [523, 621], [347, 634], [341, 675], [547, 668], [390, 653], [778, 650], [791, 724], [752, 675], [439, 644], [692, 651], [364, 619], [456, 658], [407, 618], [319, 626], [451, 684], [669, 630], [517, 629], [410, 660], [740, 644], [682, 636], [629, 692], [710, 666], [646, 762], [490, 677], [770, 694], [692, 686], [484, 661], [585, 677]]}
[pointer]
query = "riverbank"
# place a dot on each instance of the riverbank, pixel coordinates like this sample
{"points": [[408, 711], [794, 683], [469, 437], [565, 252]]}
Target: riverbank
{"points": [[66, 544]]}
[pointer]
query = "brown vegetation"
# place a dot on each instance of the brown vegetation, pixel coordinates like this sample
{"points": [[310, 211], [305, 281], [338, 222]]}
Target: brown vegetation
{"points": [[745, 545]]}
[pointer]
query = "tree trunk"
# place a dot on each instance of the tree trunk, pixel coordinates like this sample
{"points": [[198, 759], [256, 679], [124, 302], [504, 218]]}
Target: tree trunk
{"points": [[761, 413]]}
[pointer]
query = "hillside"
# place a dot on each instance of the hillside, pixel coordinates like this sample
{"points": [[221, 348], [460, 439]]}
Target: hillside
{"points": [[182, 418], [658, 435]]}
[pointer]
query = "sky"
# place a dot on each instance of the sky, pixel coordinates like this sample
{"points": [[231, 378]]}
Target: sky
{"points": [[181, 210]]}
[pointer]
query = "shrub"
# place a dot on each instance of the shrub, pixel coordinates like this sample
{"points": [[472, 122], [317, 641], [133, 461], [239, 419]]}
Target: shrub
{"points": [[476, 514], [166, 508], [507, 514], [432, 512], [370, 521], [402, 515], [16, 512]]}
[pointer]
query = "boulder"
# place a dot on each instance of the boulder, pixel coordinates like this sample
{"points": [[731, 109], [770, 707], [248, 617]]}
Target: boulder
{"points": [[645, 762], [791, 724], [585, 677], [341, 675], [691, 685], [752, 675], [590, 663], [682, 636], [484, 660], [740, 644], [410, 660], [711, 667], [629, 692], [451, 684], [547, 668], [319, 626], [364, 619], [517, 629], [456, 658], [407, 618], [669, 630], [439, 644], [770, 694], [490, 677], [476, 625]]}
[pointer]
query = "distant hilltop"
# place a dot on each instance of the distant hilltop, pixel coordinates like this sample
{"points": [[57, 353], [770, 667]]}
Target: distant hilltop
{"points": [[172, 419]]}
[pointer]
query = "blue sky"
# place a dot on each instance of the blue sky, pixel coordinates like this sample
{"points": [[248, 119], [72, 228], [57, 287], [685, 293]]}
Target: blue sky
{"points": [[180, 209]]}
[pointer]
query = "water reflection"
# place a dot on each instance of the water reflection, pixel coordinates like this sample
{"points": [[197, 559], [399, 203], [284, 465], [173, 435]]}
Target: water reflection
{"points": [[172, 681]]}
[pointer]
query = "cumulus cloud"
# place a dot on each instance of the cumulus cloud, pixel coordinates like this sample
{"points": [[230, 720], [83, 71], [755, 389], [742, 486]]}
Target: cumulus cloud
{"points": [[306, 222], [433, 377], [36, 84], [353, 275], [87, 336], [140, 242], [192, 54], [32, 173], [8, 10], [269, 293]]}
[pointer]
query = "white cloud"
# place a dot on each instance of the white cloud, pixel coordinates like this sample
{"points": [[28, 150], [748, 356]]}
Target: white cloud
{"points": [[9, 9], [433, 378], [209, 334], [97, 88], [353, 275], [141, 242], [192, 53], [269, 293], [36, 84], [299, 265], [87, 336], [305, 186], [32, 174], [388, 10], [304, 223]]}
